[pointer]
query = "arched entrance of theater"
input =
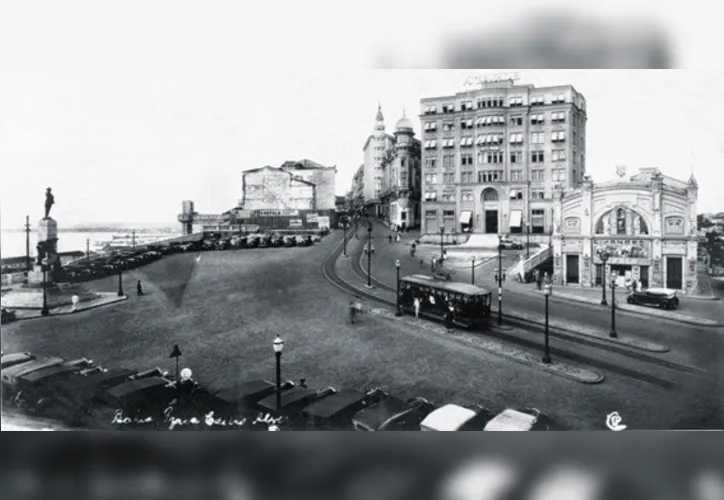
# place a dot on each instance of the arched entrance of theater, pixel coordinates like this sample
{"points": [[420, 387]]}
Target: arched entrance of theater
{"points": [[491, 211]]}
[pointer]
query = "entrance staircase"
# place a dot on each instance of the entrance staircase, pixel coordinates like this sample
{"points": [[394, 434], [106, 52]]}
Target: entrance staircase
{"points": [[525, 266]]}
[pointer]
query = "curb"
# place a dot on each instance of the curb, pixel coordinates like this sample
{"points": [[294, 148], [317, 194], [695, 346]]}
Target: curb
{"points": [[67, 313], [682, 318], [569, 372]]}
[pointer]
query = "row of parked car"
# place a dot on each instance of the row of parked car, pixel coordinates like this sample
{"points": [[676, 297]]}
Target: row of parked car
{"points": [[105, 265], [79, 393], [260, 240]]}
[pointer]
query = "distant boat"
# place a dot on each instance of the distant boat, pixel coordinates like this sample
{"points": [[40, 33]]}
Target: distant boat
{"points": [[126, 240]]}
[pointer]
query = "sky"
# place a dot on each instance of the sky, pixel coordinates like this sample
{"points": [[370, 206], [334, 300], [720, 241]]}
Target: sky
{"points": [[126, 116]]}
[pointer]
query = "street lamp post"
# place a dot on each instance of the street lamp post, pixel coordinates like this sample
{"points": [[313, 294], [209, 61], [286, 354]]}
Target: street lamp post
{"points": [[527, 239], [28, 267], [442, 237], [176, 353], [278, 346], [369, 255], [603, 255], [399, 311], [44, 311], [87, 249], [344, 225], [500, 280], [613, 333], [120, 282], [472, 272], [546, 353]]}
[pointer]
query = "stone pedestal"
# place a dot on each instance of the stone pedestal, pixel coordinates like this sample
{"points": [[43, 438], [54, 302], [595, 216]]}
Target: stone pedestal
{"points": [[47, 230], [47, 250]]}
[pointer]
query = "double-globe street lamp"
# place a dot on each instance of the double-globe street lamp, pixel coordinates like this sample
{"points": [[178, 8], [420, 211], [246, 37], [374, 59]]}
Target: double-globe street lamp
{"points": [[603, 255], [546, 353], [398, 311], [278, 346]]}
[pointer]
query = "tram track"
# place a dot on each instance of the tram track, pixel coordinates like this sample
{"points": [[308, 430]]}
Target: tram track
{"points": [[568, 345]]}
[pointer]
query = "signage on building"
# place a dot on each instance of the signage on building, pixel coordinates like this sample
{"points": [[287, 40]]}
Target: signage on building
{"points": [[296, 223], [633, 249], [312, 218], [323, 222], [272, 212], [483, 79]]}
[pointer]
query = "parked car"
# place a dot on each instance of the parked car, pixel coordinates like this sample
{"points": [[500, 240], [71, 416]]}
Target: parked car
{"points": [[15, 358], [392, 414], [8, 315], [335, 411], [290, 241], [242, 398], [294, 400], [509, 244], [277, 240], [655, 297]]}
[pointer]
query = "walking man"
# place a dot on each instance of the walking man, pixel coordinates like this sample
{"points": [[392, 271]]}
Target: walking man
{"points": [[449, 317], [74, 301], [354, 307], [417, 307], [139, 289], [422, 263], [390, 236], [538, 278]]}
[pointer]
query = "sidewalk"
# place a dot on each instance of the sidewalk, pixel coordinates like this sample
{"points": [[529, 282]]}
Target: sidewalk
{"points": [[106, 298]]}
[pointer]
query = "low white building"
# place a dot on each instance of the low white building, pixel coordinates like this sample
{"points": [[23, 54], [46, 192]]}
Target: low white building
{"points": [[646, 223]]}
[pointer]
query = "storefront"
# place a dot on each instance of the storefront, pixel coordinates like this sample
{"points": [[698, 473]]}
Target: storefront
{"points": [[646, 224]]}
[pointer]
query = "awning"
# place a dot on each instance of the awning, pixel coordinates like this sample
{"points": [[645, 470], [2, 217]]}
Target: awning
{"points": [[465, 217], [515, 218]]}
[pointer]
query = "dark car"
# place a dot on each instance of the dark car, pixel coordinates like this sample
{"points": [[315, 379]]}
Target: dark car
{"points": [[15, 358], [392, 414], [240, 399], [655, 297], [8, 315], [290, 241], [277, 240], [509, 244], [294, 400], [335, 411]]}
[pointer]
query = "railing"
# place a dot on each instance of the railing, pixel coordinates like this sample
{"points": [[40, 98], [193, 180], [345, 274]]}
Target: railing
{"points": [[523, 267]]}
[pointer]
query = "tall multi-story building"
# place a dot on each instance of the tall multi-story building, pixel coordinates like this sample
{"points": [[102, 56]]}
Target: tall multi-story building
{"points": [[375, 150], [400, 197], [356, 194], [492, 156]]}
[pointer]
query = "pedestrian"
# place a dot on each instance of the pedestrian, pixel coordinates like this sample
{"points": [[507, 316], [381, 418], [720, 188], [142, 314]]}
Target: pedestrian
{"points": [[417, 307], [397, 238], [74, 299], [422, 263], [633, 286], [538, 278], [390, 236], [302, 382], [639, 286], [139, 289], [434, 263], [546, 279], [449, 318], [352, 311]]}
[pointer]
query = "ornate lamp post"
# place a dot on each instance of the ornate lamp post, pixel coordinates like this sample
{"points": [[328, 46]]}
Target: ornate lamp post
{"points": [[500, 279], [398, 312], [344, 225], [44, 311], [442, 237], [613, 333], [278, 346], [369, 255], [120, 282], [472, 272], [527, 239], [546, 352], [603, 255]]}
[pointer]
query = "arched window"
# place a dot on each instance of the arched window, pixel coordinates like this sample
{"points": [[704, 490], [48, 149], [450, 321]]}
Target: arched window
{"points": [[620, 221], [490, 195]]}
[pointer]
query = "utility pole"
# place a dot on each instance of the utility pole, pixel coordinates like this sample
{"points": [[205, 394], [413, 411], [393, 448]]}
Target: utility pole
{"points": [[27, 243]]}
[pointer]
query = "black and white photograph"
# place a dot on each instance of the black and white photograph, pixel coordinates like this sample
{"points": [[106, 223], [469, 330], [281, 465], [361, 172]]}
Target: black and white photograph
{"points": [[193, 242]]}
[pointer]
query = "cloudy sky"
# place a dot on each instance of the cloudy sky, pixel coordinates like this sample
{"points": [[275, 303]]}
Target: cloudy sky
{"points": [[126, 122]]}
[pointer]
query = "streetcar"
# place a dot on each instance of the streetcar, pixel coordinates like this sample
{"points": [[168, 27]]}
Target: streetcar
{"points": [[471, 303]]}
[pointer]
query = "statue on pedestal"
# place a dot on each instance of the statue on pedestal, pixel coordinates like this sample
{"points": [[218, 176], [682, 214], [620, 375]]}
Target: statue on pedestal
{"points": [[49, 201]]}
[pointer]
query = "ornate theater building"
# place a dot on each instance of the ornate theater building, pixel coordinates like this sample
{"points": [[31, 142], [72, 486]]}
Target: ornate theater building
{"points": [[646, 224]]}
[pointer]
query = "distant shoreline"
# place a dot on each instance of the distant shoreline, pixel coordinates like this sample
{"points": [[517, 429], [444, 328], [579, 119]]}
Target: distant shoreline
{"points": [[102, 229]]}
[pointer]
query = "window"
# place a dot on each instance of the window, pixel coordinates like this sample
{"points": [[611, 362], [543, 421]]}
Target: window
{"points": [[516, 138], [537, 138], [448, 178], [489, 139], [466, 159], [559, 155], [620, 221], [558, 99], [448, 161], [537, 100], [559, 117], [515, 101], [430, 213], [490, 157], [516, 121], [487, 121], [430, 196], [448, 197], [559, 136], [430, 162], [516, 157], [448, 214], [490, 176], [466, 195], [448, 126], [490, 102], [516, 175], [537, 156], [430, 144], [559, 175], [466, 105], [537, 119], [466, 124], [448, 143], [430, 110], [448, 108], [466, 177], [537, 220], [430, 126], [466, 142], [537, 194], [430, 178]]}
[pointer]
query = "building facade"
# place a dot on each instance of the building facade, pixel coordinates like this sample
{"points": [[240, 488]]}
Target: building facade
{"points": [[400, 197], [647, 224], [375, 149], [356, 194], [492, 156]]}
